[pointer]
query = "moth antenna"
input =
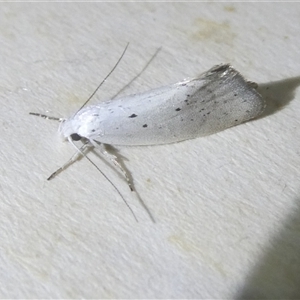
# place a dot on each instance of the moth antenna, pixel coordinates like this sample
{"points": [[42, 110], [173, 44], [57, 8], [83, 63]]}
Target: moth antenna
{"points": [[46, 117], [101, 83], [139, 74]]}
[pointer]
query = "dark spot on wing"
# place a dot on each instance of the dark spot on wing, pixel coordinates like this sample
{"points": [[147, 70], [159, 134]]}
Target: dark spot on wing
{"points": [[133, 116], [178, 109], [145, 125]]}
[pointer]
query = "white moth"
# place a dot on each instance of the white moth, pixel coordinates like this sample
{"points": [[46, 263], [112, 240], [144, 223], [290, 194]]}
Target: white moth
{"points": [[216, 100]]}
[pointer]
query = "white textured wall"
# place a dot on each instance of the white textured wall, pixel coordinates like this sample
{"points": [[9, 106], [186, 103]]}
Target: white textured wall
{"points": [[226, 206]]}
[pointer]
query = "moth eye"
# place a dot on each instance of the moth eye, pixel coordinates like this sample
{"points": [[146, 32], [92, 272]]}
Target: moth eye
{"points": [[75, 137]]}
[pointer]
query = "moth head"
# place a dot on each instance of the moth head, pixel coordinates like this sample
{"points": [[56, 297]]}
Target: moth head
{"points": [[68, 132]]}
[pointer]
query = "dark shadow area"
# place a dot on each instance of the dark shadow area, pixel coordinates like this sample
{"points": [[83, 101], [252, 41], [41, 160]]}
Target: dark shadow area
{"points": [[278, 94], [277, 273]]}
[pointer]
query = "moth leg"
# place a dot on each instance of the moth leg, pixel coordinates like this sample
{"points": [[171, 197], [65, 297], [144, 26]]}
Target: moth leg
{"points": [[114, 160], [71, 160]]}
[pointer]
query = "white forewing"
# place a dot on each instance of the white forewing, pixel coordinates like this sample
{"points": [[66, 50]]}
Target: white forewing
{"points": [[218, 99]]}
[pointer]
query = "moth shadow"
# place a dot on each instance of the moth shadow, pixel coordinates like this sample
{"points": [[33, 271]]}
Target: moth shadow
{"points": [[278, 94], [275, 274]]}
